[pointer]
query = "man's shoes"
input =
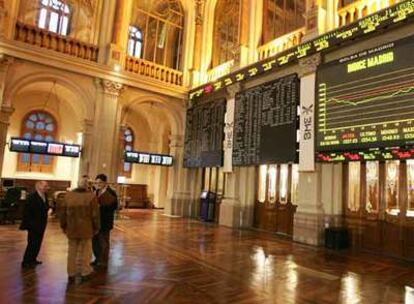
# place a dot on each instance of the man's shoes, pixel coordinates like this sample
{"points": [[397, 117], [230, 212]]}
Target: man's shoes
{"points": [[37, 262]]}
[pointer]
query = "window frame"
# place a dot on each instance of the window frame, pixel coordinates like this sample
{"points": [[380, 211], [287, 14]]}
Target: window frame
{"points": [[62, 15], [40, 166], [135, 40]]}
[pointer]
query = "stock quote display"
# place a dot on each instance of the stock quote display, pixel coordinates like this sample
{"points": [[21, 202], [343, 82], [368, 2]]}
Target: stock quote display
{"points": [[366, 100]]}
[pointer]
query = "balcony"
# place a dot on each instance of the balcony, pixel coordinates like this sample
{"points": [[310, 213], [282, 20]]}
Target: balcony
{"points": [[152, 70], [281, 44], [219, 71], [42, 38], [360, 9]]}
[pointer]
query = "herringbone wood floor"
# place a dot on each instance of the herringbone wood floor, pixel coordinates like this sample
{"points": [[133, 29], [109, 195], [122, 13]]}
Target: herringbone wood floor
{"points": [[158, 259]]}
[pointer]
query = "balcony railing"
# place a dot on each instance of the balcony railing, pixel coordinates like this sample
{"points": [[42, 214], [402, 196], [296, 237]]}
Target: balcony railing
{"points": [[219, 71], [361, 8], [153, 70], [281, 44], [48, 40]]}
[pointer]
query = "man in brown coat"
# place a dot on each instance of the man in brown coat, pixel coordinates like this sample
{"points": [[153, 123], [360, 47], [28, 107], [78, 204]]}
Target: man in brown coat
{"points": [[80, 221]]}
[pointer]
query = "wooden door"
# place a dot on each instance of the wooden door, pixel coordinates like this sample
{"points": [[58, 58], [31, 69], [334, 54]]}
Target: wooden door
{"points": [[274, 208]]}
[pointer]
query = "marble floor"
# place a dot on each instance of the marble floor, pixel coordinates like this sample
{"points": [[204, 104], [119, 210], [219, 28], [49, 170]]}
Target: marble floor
{"points": [[160, 259]]}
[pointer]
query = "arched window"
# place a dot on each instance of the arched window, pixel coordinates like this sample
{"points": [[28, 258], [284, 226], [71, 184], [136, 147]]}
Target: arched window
{"points": [[281, 17], [54, 16], [159, 32], [226, 40], [135, 42], [128, 144], [37, 125]]}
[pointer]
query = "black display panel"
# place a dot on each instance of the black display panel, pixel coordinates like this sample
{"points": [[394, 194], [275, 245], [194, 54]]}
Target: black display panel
{"points": [[367, 100], [148, 158], [385, 154], [43, 147], [19, 145], [204, 134], [265, 123]]}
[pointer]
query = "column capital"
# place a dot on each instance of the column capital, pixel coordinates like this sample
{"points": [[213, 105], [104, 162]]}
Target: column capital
{"points": [[5, 61], [233, 89], [309, 64], [176, 141], [110, 87], [5, 113]]}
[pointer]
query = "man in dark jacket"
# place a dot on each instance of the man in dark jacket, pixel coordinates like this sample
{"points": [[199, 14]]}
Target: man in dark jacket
{"points": [[108, 203], [34, 221]]}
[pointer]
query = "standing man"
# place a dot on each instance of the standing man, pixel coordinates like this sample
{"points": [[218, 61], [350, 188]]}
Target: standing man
{"points": [[108, 203], [34, 221], [79, 220]]}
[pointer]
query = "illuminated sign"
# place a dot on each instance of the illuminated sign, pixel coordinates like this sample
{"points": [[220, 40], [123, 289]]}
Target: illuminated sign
{"points": [[43, 147], [394, 15], [366, 100], [148, 158], [369, 155]]}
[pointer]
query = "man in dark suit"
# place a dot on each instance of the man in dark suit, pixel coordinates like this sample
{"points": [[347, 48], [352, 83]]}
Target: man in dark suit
{"points": [[34, 221], [108, 203]]}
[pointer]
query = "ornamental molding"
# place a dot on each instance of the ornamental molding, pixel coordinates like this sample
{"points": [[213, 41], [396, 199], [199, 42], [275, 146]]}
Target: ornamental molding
{"points": [[112, 87], [309, 64]]}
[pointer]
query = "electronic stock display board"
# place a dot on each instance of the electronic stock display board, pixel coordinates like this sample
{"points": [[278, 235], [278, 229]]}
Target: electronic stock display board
{"points": [[265, 123], [148, 158], [42, 147], [367, 100], [204, 134]]}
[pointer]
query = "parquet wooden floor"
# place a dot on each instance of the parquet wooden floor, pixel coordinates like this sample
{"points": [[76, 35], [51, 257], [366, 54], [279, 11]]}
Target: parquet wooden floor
{"points": [[159, 259]]}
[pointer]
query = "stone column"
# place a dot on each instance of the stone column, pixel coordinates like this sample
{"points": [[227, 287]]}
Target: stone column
{"points": [[230, 207], [182, 191], [87, 148], [119, 42], [105, 149], [198, 35], [5, 113], [319, 17], [6, 109], [320, 186], [8, 18]]}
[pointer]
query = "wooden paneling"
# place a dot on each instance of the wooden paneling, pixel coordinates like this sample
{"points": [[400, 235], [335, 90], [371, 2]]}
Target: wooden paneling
{"points": [[381, 232], [137, 196]]}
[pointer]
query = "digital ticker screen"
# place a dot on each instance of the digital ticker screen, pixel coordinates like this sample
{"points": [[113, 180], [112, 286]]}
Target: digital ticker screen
{"points": [[148, 158], [366, 100], [43, 147]]}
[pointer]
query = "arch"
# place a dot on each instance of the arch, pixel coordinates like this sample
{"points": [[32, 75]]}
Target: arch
{"points": [[175, 118], [84, 107]]}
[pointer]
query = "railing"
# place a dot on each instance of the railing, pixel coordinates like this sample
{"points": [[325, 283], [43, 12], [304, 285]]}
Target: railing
{"points": [[360, 9], [281, 44], [153, 70], [48, 40], [219, 71]]}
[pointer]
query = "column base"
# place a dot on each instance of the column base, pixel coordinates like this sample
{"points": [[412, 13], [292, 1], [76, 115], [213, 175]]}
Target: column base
{"points": [[309, 228], [183, 205], [229, 213]]}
